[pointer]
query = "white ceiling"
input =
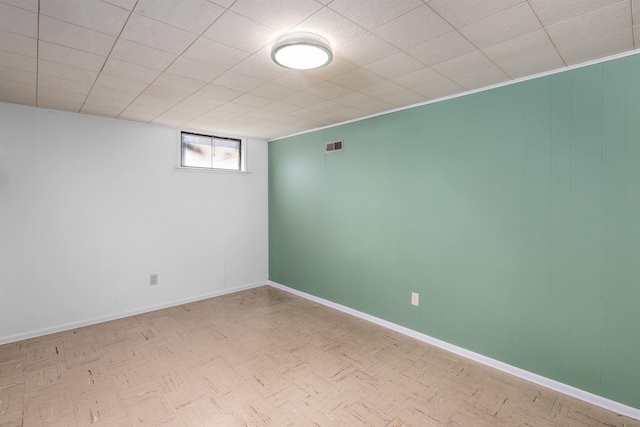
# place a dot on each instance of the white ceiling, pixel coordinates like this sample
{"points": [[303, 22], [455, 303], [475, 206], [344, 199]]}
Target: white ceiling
{"points": [[205, 65]]}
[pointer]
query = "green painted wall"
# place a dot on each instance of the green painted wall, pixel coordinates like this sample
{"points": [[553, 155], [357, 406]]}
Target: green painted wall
{"points": [[514, 212]]}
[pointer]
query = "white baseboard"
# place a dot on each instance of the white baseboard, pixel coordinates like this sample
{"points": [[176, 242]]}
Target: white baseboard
{"points": [[521, 373], [120, 315]]}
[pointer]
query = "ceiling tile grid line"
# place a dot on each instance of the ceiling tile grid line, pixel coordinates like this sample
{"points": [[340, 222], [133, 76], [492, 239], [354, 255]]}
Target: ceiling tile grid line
{"points": [[207, 64]]}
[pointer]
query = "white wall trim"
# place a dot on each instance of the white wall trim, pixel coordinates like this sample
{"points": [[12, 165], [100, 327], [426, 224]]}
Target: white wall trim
{"points": [[521, 373], [96, 320]]}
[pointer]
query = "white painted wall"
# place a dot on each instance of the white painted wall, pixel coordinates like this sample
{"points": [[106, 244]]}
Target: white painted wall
{"points": [[90, 207]]}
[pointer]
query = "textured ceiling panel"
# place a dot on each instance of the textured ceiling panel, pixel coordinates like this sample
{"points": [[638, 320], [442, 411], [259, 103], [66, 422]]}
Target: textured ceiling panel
{"points": [[205, 64]]}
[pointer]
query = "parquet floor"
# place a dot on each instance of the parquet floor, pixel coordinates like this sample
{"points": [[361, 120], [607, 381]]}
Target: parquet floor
{"points": [[263, 357]]}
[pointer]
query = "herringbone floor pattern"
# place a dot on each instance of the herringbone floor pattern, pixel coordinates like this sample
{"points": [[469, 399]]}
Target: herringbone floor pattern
{"points": [[263, 357]]}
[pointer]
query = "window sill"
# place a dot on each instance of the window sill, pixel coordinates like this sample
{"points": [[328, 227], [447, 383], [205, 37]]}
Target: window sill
{"points": [[207, 170]]}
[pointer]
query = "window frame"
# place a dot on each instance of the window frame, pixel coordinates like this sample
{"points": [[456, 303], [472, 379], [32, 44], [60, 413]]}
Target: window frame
{"points": [[242, 153]]}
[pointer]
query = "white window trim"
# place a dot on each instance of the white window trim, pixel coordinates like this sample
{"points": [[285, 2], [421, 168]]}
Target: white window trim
{"points": [[244, 157]]}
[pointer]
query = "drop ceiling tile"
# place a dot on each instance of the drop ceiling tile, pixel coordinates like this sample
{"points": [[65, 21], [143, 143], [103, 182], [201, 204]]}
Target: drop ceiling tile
{"points": [[298, 80], [415, 78], [635, 6], [413, 28], [504, 25], [195, 17], [302, 99], [441, 48], [18, 21], [202, 102], [532, 64], [395, 65], [253, 37], [366, 12], [350, 113], [175, 81], [59, 104], [48, 68], [481, 78], [148, 32], [517, 47], [223, 116], [358, 79], [125, 4], [97, 110], [130, 71], [601, 22], [166, 93], [273, 91], [144, 109], [281, 107], [16, 43], [136, 117], [70, 57], [281, 15], [60, 94], [331, 25], [219, 93], [223, 3], [176, 116], [266, 115], [440, 89], [336, 68], [114, 94], [636, 36], [251, 100], [18, 62], [237, 81], [166, 121], [393, 93], [597, 47], [235, 108], [214, 53], [365, 49], [552, 11], [10, 90], [328, 90], [73, 36], [114, 82], [93, 14], [259, 68], [110, 103], [193, 69], [154, 101], [31, 5], [138, 54], [326, 107], [62, 84], [17, 76], [463, 12], [186, 108], [463, 64]]}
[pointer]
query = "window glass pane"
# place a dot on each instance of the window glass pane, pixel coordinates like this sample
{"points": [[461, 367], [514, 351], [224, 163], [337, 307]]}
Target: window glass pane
{"points": [[226, 154], [196, 151]]}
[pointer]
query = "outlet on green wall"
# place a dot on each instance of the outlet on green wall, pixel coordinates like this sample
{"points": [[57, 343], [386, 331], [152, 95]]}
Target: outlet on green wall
{"points": [[514, 212]]}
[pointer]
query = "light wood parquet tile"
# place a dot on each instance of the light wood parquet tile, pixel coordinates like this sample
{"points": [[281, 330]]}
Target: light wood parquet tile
{"points": [[263, 357]]}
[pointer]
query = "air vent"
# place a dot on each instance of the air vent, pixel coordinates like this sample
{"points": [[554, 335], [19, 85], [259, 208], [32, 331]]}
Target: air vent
{"points": [[334, 146]]}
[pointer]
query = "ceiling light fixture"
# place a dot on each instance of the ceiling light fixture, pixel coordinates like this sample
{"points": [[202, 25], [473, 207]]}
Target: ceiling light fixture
{"points": [[302, 51]]}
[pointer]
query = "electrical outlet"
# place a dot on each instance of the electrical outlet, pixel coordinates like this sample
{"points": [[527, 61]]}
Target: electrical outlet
{"points": [[415, 298], [153, 280]]}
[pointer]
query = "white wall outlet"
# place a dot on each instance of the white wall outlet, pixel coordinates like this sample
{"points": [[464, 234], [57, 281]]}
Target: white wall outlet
{"points": [[415, 298], [153, 279]]}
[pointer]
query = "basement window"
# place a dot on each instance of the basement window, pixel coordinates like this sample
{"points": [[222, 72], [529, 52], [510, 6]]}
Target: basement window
{"points": [[210, 152]]}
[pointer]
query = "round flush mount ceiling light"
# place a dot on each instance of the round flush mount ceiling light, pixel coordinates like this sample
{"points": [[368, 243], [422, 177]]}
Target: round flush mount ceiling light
{"points": [[302, 51]]}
